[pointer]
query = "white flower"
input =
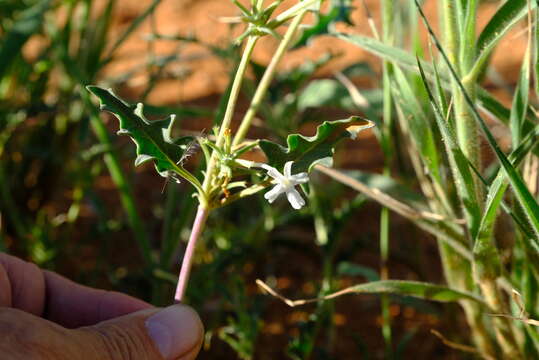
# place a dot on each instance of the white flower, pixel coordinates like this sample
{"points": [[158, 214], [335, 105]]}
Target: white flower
{"points": [[285, 184]]}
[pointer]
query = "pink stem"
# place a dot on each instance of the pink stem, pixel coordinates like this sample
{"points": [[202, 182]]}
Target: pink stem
{"points": [[183, 279]]}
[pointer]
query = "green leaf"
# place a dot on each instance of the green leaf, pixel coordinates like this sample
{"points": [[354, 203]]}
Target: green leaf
{"points": [[306, 152], [415, 289], [153, 138], [506, 16]]}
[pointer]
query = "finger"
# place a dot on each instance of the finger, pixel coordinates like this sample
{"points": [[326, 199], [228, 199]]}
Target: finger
{"points": [[26, 336], [175, 332], [73, 305], [5, 288], [25, 284], [171, 333]]}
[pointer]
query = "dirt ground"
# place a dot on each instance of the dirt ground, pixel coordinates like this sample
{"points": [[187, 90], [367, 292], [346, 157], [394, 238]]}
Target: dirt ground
{"points": [[205, 19]]}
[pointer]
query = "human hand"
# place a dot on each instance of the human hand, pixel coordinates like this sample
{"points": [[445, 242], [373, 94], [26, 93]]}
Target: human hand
{"points": [[46, 316]]}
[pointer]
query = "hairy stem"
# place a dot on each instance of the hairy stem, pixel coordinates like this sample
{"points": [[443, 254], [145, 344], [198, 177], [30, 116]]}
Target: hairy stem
{"points": [[231, 105], [196, 230]]}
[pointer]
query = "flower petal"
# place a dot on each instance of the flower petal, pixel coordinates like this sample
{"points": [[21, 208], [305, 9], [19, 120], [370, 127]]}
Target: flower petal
{"points": [[274, 193], [295, 198], [300, 178], [273, 172], [288, 169]]}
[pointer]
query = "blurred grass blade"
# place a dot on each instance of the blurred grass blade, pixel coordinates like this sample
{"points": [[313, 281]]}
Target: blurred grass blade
{"points": [[522, 193], [415, 289], [448, 231], [535, 50], [132, 27], [520, 101], [386, 52], [405, 59], [96, 39], [124, 187], [28, 23]]}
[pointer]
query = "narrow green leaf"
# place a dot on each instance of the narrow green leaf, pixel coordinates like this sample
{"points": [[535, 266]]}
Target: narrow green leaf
{"points": [[153, 138], [306, 152], [505, 18], [415, 289]]}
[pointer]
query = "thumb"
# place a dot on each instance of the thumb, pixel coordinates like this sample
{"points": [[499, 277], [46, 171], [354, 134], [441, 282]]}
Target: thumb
{"points": [[172, 333]]}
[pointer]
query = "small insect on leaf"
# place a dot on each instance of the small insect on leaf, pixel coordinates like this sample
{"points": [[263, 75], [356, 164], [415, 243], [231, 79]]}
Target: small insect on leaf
{"points": [[190, 149]]}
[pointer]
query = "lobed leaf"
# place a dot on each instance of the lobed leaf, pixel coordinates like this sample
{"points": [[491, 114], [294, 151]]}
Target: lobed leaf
{"points": [[152, 138], [306, 152]]}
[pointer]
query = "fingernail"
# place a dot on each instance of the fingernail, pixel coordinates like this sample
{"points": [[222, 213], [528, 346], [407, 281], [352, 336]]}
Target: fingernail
{"points": [[175, 331]]}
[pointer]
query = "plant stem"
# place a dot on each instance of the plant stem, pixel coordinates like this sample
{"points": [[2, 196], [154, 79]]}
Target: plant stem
{"points": [[198, 226], [231, 105], [266, 79]]}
